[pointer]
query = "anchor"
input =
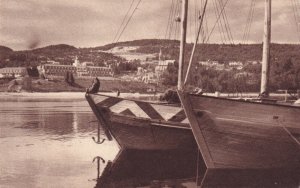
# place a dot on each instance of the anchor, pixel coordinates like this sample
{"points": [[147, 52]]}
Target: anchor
{"points": [[98, 158], [99, 140]]}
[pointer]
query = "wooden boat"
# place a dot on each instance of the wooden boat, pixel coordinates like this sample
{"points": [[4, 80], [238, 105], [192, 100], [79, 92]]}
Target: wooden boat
{"points": [[229, 133], [244, 134], [142, 125], [241, 134]]}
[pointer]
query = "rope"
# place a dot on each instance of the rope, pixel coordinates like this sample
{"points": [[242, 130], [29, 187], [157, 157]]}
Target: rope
{"points": [[177, 10], [128, 20], [291, 135], [217, 20], [226, 23], [220, 26], [248, 22], [123, 20], [296, 16], [169, 19]]}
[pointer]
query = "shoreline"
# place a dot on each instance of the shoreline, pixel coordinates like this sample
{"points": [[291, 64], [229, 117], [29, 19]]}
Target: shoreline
{"points": [[68, 94]]}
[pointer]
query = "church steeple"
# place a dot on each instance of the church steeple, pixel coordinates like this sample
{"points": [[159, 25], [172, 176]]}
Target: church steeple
{"points": [[76, 62]]}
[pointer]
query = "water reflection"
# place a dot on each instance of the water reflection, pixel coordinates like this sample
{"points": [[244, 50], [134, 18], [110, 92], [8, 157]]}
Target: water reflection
{"points": [[178, 169], [49, 144], [58, 120], [134, 168]]}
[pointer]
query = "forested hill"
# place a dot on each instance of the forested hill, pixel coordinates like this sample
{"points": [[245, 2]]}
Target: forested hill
{"points": [[5, 52], [65, 54], [4, 49], [218, 52]]}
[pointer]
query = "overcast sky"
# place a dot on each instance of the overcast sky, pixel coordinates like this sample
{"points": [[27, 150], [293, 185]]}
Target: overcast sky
{"points": [[88, 23]]}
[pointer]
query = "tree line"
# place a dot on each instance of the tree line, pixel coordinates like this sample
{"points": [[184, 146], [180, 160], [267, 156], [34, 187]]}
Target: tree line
{"points": [[283, 76]]}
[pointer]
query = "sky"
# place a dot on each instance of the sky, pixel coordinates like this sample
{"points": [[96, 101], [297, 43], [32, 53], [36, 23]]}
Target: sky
{"points": [[27, 24]]}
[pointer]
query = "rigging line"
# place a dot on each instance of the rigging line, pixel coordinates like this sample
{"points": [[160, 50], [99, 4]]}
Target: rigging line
{"points": [[176, 30], [173, 19], [195, 16], [119, 29], [251, 20], [216, 21], [223, 23], [195, 44], [204, 20], [205, 28], [246, 29], [129, 20], [247, 21], [295, 17], [190, 20], [220, 26], [227, 22], [169, 19], [177, 24], [204, 25]]}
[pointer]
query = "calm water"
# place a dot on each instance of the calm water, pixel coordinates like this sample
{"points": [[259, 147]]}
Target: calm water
{"points": [[47, 143]]}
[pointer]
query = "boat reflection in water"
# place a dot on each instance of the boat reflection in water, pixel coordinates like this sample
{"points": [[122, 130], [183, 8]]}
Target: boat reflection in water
{"points": [[135, 168], [177, 168]]}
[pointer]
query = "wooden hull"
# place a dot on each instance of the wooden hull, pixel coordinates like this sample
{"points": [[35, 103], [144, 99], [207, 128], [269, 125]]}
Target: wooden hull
{"points": [[131, 133], [229, 133], [244, 135], [143, 126]]}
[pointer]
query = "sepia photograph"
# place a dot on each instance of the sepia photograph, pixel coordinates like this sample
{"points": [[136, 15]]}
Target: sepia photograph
{"points": [[143, 93]]}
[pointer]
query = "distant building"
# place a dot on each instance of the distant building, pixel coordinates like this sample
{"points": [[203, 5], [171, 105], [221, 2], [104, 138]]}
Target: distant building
{"points": [[162, 67], [209, 63], [82, 70], [141, 71], [235, 64], [212, 64], [254, 62], [13, 72], [150, 78]]}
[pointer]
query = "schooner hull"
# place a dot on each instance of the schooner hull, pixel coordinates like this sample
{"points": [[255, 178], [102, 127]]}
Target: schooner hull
{"points": [[244, 135], [143, 126]]}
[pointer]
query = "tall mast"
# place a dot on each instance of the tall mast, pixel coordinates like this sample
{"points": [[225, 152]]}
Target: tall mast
{"points": [[266, 50], [182, 43]]}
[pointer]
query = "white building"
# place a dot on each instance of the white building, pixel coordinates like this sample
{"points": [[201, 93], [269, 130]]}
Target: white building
{"points": [[83, 70], [162, 67], [13, 72]]}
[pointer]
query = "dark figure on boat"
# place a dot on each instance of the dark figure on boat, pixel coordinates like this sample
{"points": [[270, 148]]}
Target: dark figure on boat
{"points": [[170, 96], [94, 87]]}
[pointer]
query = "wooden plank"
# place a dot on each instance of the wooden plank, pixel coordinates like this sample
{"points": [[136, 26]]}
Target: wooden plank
{"points": [[196, 129]]}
